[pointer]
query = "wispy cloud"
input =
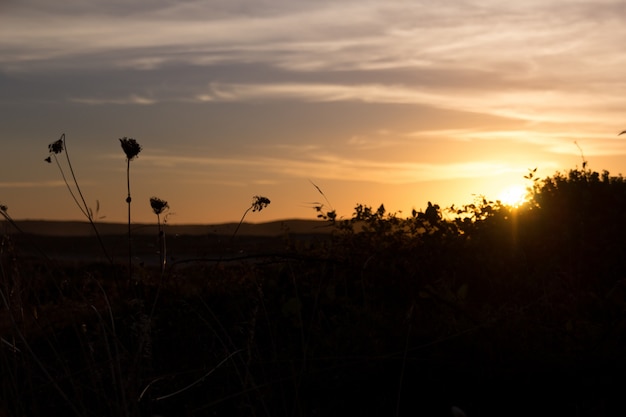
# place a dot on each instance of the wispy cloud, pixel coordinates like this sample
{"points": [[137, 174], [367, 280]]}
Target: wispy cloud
{"points": [[536, 61], [350, 35], [330, 166], [132, 99], [533, 105], [341, 168], [549, 105], [597, 143], [31, 184]]}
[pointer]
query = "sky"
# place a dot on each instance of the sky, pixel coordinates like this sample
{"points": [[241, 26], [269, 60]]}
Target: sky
{"points": [[391, 102]]}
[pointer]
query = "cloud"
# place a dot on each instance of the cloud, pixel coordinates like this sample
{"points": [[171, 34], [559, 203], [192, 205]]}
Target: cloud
{"points": [[596, 142], [132, 99], [31, 184], [299, 36], [536, 61], [342, 168], [327, 166], [545, 106]]}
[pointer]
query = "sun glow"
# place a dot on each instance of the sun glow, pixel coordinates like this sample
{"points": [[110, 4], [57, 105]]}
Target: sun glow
{"points": [[513, 195]]}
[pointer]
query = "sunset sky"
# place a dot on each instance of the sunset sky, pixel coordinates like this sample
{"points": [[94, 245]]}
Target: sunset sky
{"points": [[398, 102]]}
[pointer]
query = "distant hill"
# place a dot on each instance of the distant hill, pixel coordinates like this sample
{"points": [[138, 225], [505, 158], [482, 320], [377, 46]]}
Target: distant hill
{"points": [[79, 228]]}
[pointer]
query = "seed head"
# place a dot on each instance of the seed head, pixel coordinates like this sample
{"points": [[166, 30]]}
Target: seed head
{"points": [[56, 146], [3, 208], [158, 205], [259, 203], [131, 147]]}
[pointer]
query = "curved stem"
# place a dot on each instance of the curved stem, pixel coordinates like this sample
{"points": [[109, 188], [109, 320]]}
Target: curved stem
{"points": [[240, 222], [83, 208], [69, 164], [67, 184]]}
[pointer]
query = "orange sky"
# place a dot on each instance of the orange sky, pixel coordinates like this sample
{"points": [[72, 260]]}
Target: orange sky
{"points": [[376, 102]]}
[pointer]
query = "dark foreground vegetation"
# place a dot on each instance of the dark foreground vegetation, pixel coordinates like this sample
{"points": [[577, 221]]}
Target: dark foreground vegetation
{"points": [[500, 311]]}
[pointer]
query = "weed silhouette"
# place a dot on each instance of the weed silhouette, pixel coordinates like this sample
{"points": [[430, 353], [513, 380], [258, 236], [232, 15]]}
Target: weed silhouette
{"points": [[131, 149]]}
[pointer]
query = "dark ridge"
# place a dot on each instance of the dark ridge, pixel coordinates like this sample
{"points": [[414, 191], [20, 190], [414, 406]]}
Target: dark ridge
{"points": [[81, 228]]}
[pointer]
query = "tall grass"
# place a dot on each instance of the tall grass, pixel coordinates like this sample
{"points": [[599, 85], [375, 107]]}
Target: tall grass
{"points": [[113, 374]]}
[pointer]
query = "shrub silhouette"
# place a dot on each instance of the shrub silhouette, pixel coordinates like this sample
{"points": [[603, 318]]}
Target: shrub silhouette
{"points": [[557, 260], [580, 219]]}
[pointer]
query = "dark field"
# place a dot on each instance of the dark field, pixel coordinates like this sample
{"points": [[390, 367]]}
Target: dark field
{"points": [[508, 313], [145, 249]]}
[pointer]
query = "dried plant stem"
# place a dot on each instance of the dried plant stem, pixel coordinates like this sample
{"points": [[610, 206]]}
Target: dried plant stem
{"points": [[158, 207], [582, 155], [258, 204], [196, 382], [82, 205], [69, 164], [162, 247], [240, 222], [128, 200], [131, 149]]}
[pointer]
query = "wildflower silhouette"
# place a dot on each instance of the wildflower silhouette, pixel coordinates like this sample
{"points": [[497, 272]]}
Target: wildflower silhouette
{"points": [[158, 207], [131, 148], [258, 204], [55, 148]]}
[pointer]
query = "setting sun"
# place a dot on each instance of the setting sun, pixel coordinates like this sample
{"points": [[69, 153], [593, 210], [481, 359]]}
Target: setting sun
{"points": [[513, 195]]}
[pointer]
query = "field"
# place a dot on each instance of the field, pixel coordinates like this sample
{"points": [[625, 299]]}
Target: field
{"points": [[495, 310]]}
